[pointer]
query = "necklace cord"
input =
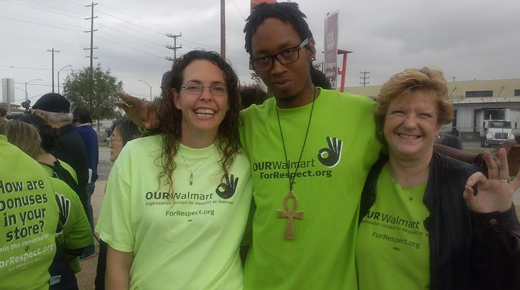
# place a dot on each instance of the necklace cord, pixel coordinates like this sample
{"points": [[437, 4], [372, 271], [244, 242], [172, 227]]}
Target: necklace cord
{"points": [[291, 180], [200, 164]]}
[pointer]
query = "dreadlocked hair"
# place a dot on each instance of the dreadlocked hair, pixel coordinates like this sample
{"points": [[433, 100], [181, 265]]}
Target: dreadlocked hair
{"points": [[286, 11], [228, 138]]}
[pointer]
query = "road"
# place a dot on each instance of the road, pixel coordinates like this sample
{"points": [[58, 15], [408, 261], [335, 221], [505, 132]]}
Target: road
{"points": [[87, 275]]}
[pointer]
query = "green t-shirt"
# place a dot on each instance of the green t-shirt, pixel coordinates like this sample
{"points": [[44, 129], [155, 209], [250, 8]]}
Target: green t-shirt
{"points": [[192, 244], [29, 216], [392, 249], [49, 169], [340, 149], [74, 229]]}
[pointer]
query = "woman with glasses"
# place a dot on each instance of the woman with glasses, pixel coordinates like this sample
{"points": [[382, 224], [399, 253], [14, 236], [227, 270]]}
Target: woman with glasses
{"points": [[123, 131], [176, 203]]}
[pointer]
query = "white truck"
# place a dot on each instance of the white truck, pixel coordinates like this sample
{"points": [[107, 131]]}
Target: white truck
{"points": [[495, 132]]}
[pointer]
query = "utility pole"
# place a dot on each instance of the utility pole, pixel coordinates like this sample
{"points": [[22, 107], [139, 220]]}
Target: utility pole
{"points": [[223, 29], [53, 51], [174, 47], [91, 48], [364, 78]]}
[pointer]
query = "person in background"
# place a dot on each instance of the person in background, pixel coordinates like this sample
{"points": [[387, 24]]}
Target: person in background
{"points": [[3, 114], [124, 131], [59, 214], [49, 138], [22, 178], [60, 170], [319, 79], [82, 119], [422, 225], [177, 203], [449, 140], [252, 95], [54, 109]]}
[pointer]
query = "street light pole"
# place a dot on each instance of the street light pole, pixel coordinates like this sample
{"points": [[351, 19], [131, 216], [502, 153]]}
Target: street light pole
{"points": [[150, 89], [26, 94], [59, 75]]}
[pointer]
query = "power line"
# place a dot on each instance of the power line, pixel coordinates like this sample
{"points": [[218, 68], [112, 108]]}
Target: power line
{"points": [[40, 24], [122, 32], [238, 10], [130, 22], [214, 47], [72, 2], [129, 47], [23, 67], [43, 9]]}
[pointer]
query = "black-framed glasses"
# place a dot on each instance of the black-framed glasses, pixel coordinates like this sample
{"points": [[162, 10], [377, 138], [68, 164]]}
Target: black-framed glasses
{"points": [[197, 89], [285, 57], [112, 139]]}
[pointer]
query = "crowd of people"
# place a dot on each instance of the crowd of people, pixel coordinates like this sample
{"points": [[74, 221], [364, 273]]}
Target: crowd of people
{"points": [[312, 189]]}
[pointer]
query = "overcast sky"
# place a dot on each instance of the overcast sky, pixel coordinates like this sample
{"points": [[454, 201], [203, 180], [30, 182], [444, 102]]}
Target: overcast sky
{"points": [[467, 39]]}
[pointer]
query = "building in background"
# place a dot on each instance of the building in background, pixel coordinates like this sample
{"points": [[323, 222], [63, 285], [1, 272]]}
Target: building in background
{"points": [[473, 102]]}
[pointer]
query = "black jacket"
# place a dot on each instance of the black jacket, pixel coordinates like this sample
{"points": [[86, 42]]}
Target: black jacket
{"points": [[467, 250], [71, 149]]}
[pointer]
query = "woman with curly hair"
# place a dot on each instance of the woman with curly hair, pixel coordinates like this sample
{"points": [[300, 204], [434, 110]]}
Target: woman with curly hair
{"points": [[176, 203]]}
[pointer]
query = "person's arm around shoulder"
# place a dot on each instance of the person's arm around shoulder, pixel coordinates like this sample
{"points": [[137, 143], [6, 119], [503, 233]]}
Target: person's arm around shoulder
{"points": [[118, 269]]}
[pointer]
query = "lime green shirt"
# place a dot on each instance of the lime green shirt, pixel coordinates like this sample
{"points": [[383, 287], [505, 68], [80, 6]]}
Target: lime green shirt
{"points": [[74, 231], [66, 166], [185, 239], [29, 215], [340, 149], [392, 249]]}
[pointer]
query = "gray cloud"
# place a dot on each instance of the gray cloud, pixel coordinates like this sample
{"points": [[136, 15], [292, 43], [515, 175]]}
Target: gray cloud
{"points": [[467, 39]]}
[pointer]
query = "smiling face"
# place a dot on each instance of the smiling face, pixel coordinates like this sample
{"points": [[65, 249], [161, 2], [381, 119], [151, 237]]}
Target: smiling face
{"points": [[201, 113], [286, 82], [411, 125]]}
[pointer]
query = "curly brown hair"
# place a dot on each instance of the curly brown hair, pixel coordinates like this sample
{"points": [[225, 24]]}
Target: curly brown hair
{"points": [[412, 80], [228, 138]]}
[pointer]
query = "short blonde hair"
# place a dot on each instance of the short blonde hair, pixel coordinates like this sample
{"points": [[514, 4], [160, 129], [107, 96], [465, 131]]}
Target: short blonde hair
{"points": [[413, 80], [23, 136]]}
